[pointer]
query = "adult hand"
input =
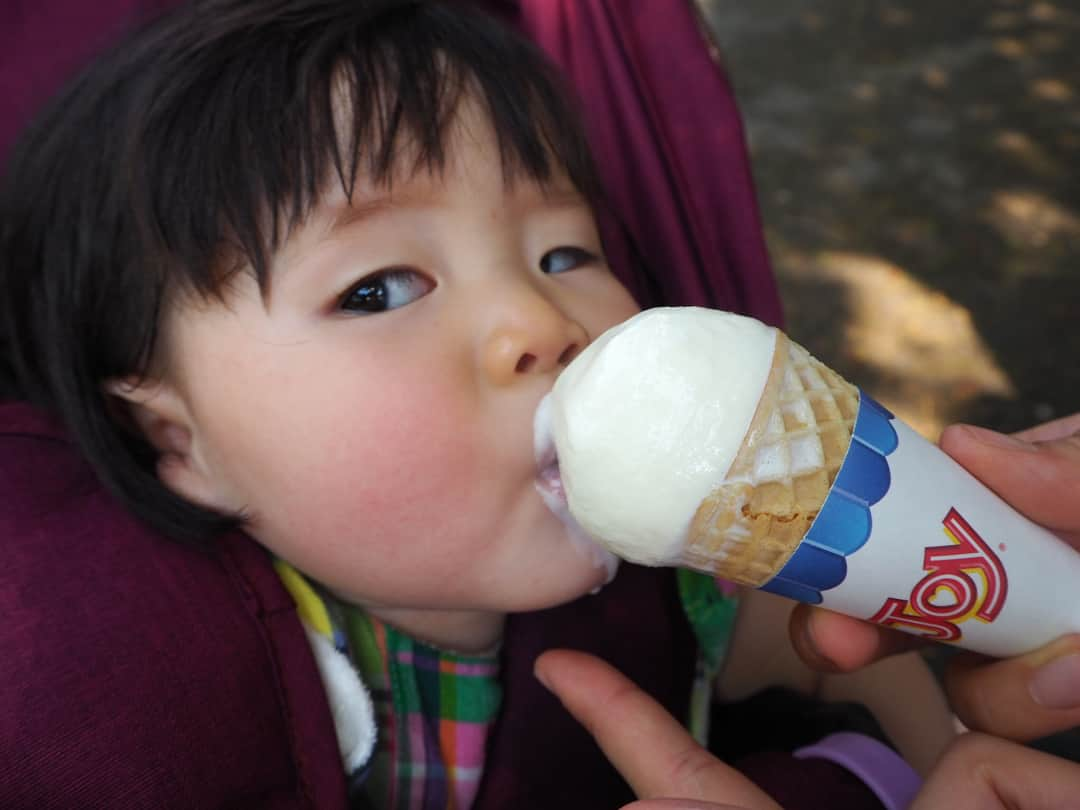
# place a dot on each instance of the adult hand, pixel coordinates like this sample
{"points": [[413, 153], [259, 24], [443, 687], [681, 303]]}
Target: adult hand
{"points": [[1037, 471], [663, 764]]}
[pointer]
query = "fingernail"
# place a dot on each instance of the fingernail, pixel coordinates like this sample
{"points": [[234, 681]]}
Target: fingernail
{"points": [[1057, 685], [995, 439], [539, 673]]}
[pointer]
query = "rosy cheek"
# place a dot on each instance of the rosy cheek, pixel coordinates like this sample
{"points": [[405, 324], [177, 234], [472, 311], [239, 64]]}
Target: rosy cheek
{"points": [[422, 447], [403, 454]]}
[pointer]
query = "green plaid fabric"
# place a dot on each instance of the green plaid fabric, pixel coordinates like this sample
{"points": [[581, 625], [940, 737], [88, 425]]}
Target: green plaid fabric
{"points": [[434, 710]]}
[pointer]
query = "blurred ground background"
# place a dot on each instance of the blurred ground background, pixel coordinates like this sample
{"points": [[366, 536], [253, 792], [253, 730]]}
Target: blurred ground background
{"points": [[918, 168]]}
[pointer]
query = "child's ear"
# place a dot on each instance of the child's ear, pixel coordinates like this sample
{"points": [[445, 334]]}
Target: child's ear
{"points": [[158, 411]]}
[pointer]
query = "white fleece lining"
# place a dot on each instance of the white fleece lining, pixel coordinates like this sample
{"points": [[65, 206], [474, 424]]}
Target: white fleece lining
{"points": [[350, 703]]}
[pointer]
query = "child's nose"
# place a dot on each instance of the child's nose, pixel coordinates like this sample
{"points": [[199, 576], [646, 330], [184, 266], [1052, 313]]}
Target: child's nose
{"points": [[536, 337]]}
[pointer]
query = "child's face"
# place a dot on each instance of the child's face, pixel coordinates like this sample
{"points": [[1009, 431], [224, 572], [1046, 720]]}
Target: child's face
{"points": [[373, 415]]}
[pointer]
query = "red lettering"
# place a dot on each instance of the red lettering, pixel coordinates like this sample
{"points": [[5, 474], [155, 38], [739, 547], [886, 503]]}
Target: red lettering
{"points": [[895, 613], [950, 568], [971, 553], [958, 584]]}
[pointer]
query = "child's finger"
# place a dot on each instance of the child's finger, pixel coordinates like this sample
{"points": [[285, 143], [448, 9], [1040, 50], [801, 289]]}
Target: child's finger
{"points": [[652, 751], [833, 642], [985, 773]]}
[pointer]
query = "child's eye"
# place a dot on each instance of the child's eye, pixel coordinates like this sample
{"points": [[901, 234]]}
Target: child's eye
{"points": [[565, 258], [385, 290]]}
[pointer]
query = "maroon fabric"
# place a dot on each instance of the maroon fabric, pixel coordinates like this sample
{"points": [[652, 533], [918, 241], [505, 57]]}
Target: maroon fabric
{"points": [[808, 783], [667, 134], [136, 673], [44, 42]]}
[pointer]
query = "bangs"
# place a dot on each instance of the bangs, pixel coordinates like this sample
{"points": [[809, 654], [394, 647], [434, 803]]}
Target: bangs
{"points": [[246, 148]]}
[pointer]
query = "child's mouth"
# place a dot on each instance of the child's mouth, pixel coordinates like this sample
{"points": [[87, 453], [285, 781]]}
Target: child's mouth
{"points": [[549, 479], [548, 476]]}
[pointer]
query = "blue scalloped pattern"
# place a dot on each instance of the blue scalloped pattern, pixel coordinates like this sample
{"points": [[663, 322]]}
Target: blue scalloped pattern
{"points": [[843, 526]]}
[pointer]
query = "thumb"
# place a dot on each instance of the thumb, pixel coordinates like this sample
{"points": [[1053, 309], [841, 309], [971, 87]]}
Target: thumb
{"points": [[652, 751], [1019, 698], [1040, 479]]}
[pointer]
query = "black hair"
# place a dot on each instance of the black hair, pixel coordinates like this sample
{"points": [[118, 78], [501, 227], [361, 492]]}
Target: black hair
{"points": [[195, 146]]}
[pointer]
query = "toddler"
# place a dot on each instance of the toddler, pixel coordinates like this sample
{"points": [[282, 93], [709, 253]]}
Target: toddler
{"points": [[306, 267]]}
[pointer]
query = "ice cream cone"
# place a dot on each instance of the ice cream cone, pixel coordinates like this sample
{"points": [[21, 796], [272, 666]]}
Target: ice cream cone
{"points": [[704, 439], [749, 526]]}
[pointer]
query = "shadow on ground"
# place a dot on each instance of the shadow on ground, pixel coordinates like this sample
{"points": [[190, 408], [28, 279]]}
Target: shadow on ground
{"points": [[915, 164]]}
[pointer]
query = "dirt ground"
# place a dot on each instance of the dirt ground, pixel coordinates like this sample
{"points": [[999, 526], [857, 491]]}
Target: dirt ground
{"points": [[917, 169]]}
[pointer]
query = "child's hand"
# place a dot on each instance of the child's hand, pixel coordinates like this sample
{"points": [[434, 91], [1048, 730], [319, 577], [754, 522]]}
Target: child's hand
{"points": [[984, 773], [1038, 473], [663, 764]]}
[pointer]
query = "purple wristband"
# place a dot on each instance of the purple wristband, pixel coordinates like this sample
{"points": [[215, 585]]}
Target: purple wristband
{"points": [[885, 772]]}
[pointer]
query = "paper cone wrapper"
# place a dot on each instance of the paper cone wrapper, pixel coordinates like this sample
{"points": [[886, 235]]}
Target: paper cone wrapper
{"points": [[835, 502]]}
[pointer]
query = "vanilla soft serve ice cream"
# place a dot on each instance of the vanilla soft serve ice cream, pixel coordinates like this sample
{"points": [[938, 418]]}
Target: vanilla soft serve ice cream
{"points": [[655, 410]]}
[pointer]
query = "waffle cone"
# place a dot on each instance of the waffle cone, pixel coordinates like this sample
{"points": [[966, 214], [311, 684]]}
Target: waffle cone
{"points": [[749, 526]]}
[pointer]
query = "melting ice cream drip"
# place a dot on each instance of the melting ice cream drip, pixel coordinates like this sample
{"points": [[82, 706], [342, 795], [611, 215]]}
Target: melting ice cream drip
{"points": [[549, 485]]}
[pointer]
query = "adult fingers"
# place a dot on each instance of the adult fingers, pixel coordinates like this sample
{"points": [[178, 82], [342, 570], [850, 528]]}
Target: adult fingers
{"points": [[1019, 698], [1049, 431], [652, 751], [984, 772], [1040, 479], [833, 642]]}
